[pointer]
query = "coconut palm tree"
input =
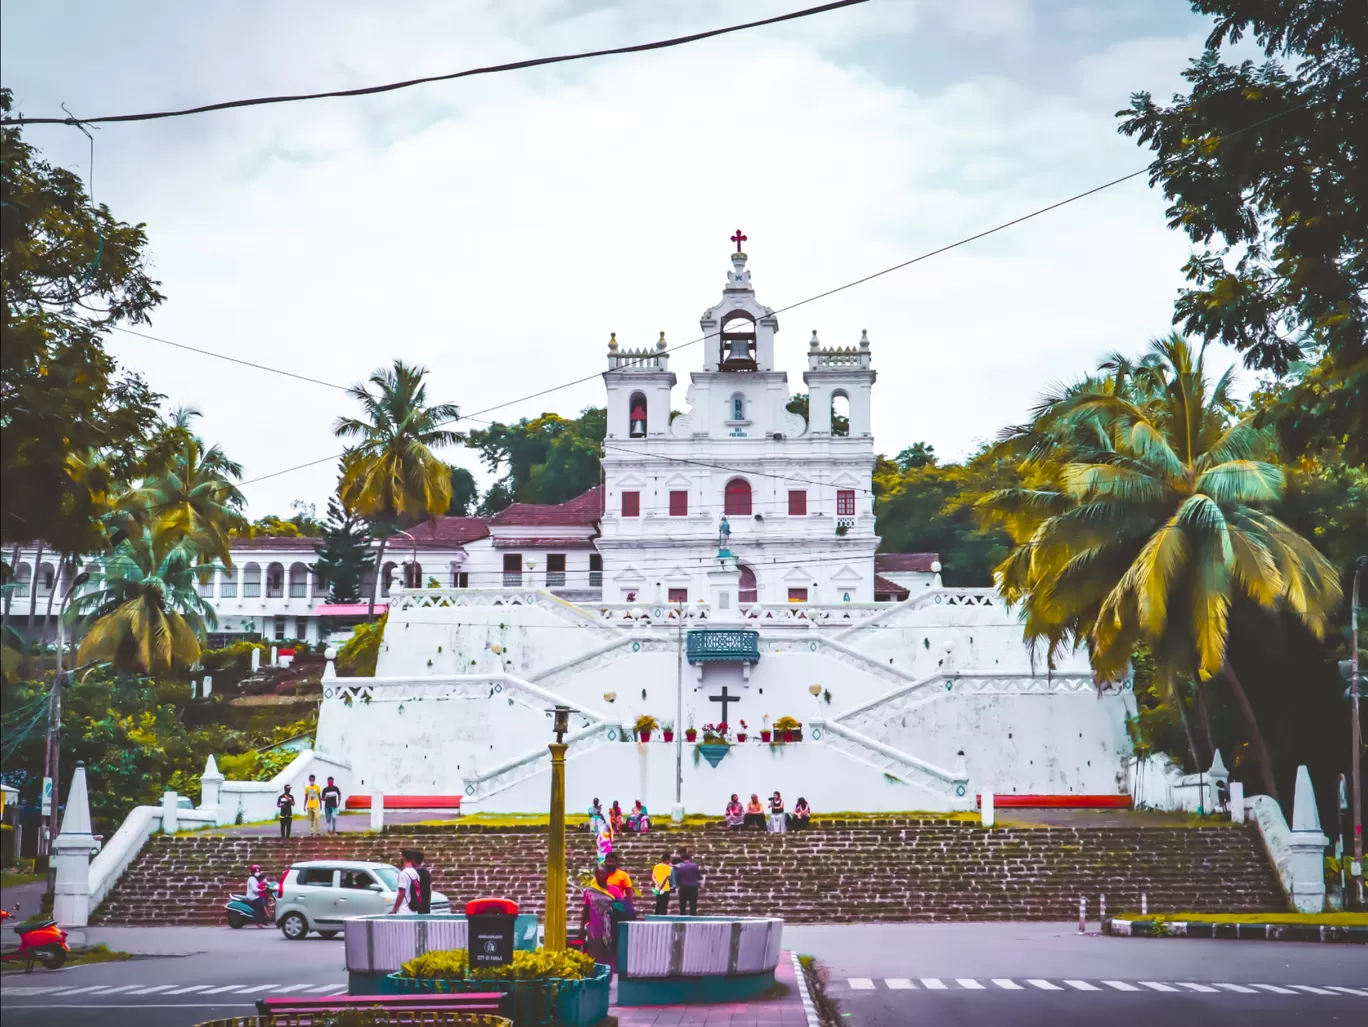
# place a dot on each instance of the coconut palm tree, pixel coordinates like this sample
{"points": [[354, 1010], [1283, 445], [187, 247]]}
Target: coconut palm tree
{"points": [[1142, 522], [390, 475], [142, 611], [193, 498]]}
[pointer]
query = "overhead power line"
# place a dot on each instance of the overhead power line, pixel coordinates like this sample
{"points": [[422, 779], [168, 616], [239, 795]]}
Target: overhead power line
{"points": [[492, 69]]}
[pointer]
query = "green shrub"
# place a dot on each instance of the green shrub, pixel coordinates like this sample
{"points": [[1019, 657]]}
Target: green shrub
{"points": [[358, 655], [453, 964]]}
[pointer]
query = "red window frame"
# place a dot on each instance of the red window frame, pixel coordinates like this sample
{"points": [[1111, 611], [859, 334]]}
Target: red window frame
{"points": [[736, 499], [797, 503], [679, 503], [679, 595], [631, 504], [845, 502], [797, 595]]}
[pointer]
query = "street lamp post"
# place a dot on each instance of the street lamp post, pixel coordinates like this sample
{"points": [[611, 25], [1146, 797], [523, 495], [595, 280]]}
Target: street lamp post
{"points": [[1356, 728], [413, 560], [554, 940], [53, 756]]}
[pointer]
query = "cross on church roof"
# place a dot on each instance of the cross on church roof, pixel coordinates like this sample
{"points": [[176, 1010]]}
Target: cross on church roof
{"points": [[738, 238]]}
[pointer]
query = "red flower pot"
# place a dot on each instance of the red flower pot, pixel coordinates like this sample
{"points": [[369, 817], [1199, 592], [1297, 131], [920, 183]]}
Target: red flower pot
{"points": [[669, 735], [690, 734], [765, 736], [645, 736], [788, 736], [740, 736]]}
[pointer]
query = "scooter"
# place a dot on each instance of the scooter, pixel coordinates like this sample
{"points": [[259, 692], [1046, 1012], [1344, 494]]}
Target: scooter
{"points": [[240, 912], [43, 942]]}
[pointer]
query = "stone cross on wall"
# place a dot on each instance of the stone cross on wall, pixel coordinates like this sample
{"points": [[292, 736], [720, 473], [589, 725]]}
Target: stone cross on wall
{"points": [[725, 699]]}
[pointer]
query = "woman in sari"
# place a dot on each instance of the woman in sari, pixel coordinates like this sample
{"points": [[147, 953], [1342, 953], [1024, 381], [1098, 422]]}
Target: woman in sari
{"points": [[595, 816], [615, 817], [596, 921], [604, 841], [640, 820], [736, 813]]}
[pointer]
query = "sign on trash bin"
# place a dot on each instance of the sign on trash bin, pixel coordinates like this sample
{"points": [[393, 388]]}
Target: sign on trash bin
{"points": [[489, 926]]}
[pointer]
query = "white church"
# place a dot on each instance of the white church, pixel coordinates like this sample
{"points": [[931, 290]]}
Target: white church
{"points": [[725, 571]]}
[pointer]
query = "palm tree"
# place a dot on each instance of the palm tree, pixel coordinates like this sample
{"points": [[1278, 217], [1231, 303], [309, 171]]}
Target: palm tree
{"points": [[1142, 523], [143, 612], [194, 497], [391, 476]]}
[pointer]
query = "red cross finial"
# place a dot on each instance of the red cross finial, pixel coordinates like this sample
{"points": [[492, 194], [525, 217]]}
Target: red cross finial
{"points": [[738, 238]]}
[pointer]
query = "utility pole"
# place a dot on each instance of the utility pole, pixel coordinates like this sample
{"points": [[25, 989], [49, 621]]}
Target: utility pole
{"points": [[677, 814], [52, 760], [1356, 732]]}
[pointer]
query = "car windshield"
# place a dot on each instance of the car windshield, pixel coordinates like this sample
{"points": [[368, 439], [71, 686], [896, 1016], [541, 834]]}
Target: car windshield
{"points": [[389, 877]]}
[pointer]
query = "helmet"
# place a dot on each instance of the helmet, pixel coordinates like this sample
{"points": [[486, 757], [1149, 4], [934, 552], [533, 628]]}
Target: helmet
{"points": [[254, 869]]}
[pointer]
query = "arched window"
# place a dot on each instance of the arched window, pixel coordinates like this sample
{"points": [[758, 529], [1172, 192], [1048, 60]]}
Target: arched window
{"points": [[738, 407], [251, 581], [737, 500], [413, 574], [23, 580], [47, 579], [748, 590], [840, 413], [275, 581], [299, 581], [228, 584], [636, 415], [387, 579]]}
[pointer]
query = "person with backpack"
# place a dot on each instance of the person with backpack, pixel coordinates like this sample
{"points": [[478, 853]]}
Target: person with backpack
{"points": [[332, 801], [285, 803], [424, 897], [407, 896]]}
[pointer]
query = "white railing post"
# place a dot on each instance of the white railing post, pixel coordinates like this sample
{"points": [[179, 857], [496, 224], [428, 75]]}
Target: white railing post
{"points": [[1307, 843], [1082, 915], [377, 811], [170, 812], [72, 849]]}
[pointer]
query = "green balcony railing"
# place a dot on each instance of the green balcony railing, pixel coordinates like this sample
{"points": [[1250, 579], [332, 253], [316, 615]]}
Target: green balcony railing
{"points": [[719, 645]]}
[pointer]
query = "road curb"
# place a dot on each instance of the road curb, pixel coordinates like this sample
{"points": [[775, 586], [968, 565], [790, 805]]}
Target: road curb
{"points": [[1349, 934]]}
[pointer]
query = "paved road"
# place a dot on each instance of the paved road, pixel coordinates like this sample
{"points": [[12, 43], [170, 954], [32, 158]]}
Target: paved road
{"points": [[1045, 974], [215, 973]]}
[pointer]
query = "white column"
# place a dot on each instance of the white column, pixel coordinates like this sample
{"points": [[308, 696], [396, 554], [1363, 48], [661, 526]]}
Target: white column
{"points": [[1237, 802], [256, 659], [987, 813], [377, 811], [170, 812], [72, 850], [1308, 848]]}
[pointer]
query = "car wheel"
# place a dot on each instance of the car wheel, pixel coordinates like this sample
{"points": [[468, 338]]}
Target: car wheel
{"points": [[327, 934], [235, 920], [294, 927]]}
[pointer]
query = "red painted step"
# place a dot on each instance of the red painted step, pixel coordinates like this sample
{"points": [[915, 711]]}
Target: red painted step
{"points": [[1055, 801], [407, 802]]}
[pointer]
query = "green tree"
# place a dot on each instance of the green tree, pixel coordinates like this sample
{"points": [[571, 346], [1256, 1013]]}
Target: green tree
{"points": [[142, 612], [919, 454], [549, 459], [69, 270], [465, 494], [1264, 168], [1144, 520], [390, 476], [344, 554], [798, 404]]}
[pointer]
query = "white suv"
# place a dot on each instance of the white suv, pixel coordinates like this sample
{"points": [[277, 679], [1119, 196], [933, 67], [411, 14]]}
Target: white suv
{"points": [[320, 894]]}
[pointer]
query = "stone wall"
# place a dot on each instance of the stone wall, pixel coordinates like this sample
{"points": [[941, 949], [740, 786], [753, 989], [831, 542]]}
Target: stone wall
{"points": [[893, 869]]}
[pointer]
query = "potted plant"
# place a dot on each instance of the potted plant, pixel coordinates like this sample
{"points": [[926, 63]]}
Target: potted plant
{"points": [[715, 744], [690, 733], [645, 724], [788, 729], [668, 731], [741, 735], [765, 733]]}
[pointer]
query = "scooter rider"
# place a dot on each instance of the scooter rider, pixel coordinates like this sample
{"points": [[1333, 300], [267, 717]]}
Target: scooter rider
{"points": [[256, 893]]}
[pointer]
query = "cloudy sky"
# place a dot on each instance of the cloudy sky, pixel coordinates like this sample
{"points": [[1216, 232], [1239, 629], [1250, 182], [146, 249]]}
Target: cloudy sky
{"points": [[497, 229]]}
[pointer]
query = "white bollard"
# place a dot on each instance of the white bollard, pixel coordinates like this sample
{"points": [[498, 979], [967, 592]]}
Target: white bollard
{"points": [[1237, 802], [275, 656], [1102, 907], [207, 686], [255, 659], [377, 811], [1082, 916], [987, 812], [1144, 903]]}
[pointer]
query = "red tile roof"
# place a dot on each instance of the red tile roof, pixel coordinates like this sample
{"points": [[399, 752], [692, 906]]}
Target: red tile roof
{"points": [[443, 533], [305, 545], [518, 542], [882, 586], [904, 562], [583, 509]]}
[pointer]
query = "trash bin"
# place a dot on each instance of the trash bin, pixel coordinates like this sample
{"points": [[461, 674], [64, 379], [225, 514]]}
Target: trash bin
{"points": [[489, 939]]}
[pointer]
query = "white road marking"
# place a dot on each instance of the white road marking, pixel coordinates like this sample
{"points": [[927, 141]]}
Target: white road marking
{"points": [[220, 991], [899, 984], [1351, 991], [295, 987], [1195, 987], [861, 983], [1007, 985], [1082, 986], [1308, 988], [252, 989], [187, 991], [1043, 985], [933, 983], [27, 990], [1156, 986], [1275, 989], [1237, 987], [112, 991], [78, 991], [969, 983], [1120, 985], [154, 988]]}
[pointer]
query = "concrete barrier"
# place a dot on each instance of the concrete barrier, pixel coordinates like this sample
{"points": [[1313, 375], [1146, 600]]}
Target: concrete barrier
{"points": [[664, 960], [377, 946]]}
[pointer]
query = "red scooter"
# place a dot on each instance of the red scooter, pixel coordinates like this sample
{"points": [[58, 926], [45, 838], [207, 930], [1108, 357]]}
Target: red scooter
{"points": [[43, 942]]}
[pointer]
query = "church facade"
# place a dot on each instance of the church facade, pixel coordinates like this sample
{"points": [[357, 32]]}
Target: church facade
{"points": [[730, 577]]}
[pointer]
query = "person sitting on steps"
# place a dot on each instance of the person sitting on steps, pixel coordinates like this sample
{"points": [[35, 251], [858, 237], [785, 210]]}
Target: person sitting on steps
{"points": [[755, 813], [736, 813], [799, 819]]}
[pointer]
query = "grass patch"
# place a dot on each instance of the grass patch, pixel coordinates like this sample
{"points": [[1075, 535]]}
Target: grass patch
{"points": [[816, 976], [1330, 919], [100, 953], [11, 880]]}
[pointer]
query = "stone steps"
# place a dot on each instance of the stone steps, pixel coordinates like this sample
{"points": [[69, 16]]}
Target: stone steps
{"points": [[878, 870]]}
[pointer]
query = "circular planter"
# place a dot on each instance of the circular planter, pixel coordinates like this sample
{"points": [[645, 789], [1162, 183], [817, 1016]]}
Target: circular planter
{"points": [[551, 1002]]}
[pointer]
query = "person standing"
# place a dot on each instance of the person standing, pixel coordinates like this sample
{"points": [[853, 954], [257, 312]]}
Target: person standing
{"points": [[285, 803], [332, 802], [596, 917], [313, 804], [661, 875], [777, 822], [688, 878], [406, 891], [619, 878], [424, 904]]}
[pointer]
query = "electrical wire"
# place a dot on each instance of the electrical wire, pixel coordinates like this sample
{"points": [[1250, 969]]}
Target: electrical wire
{"points": [[408, 83]]}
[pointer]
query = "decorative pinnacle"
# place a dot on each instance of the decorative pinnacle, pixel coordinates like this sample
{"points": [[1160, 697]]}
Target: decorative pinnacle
{"points": [[660, 343], [738, 238], [612, 341], [864, 338], [814, 343]]}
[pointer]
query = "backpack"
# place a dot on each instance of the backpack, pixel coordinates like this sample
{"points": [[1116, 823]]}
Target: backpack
{"points": [[421, 899]]}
